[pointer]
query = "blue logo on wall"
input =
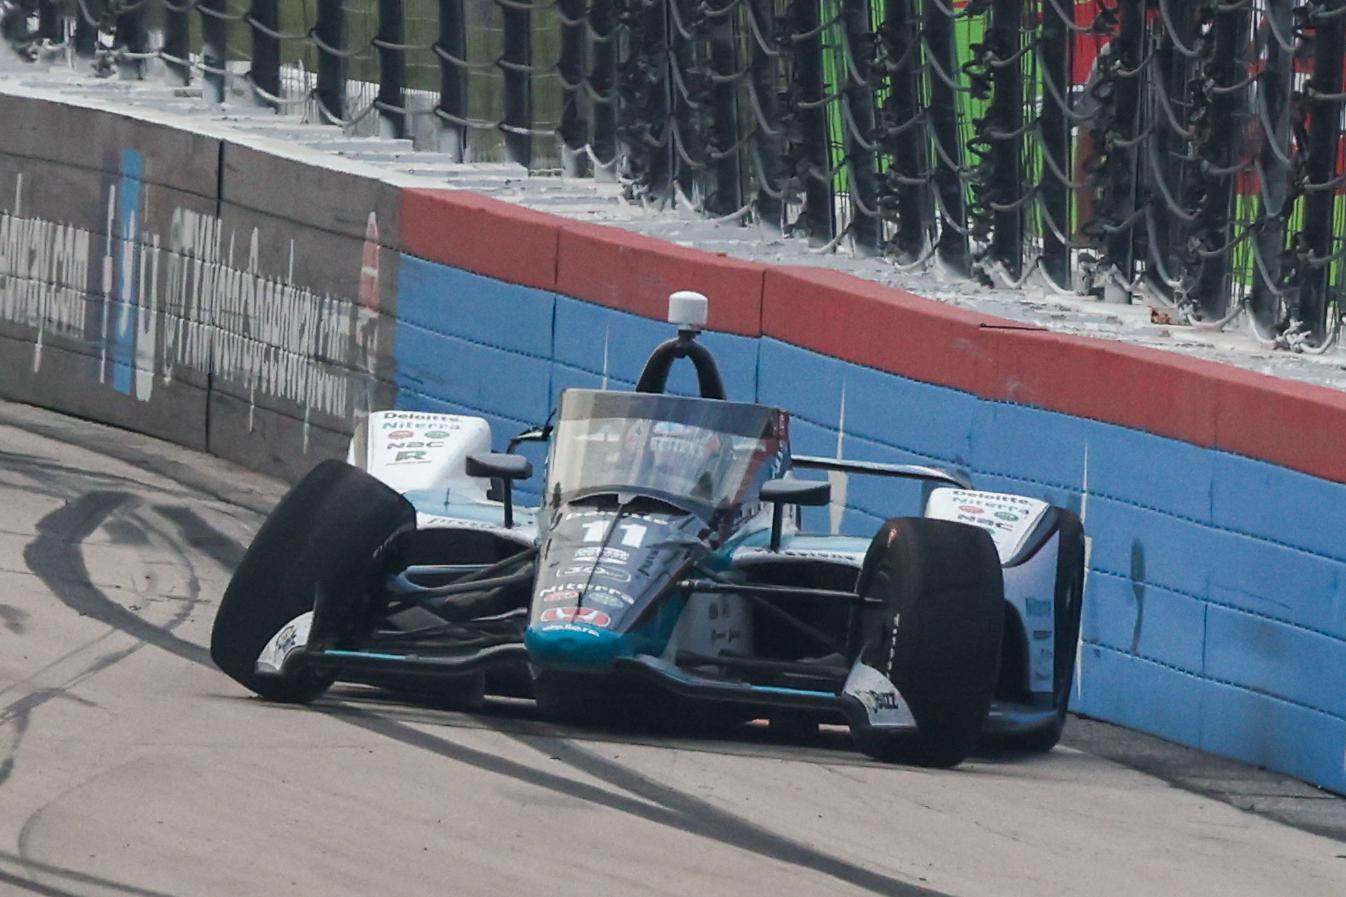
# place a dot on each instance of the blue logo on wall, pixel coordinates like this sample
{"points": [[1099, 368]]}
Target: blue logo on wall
{"points": [[121, 296]]}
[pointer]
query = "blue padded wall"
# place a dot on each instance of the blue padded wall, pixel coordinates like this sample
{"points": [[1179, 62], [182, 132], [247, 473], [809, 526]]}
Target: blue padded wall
{"points": [[1215, 611]]}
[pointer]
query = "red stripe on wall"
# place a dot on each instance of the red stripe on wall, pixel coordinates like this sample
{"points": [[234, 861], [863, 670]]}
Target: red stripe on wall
{"points": [[1145, 389], [635, 273], [1295, 425], [482, 235], [877, 326], [604, 265], [1284, 422]]}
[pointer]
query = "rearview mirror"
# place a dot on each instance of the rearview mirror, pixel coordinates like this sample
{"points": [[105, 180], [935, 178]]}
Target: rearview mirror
{"points": [[497, 464], [506, 468], [809, 493]]}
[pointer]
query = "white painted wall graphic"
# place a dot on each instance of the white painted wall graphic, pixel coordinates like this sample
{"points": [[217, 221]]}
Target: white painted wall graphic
{"points": [[187, 302]]}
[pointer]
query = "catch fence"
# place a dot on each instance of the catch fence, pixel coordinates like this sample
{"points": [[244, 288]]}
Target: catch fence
{"points": [[1187, 153]]}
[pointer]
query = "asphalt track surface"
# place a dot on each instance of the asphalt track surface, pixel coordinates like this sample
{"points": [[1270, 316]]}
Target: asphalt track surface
{"points": [[130, 766]]}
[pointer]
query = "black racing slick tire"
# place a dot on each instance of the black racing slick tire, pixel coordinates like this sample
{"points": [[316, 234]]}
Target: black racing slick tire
{"points": [[325, 537], [1069, 603], [936, 637]]}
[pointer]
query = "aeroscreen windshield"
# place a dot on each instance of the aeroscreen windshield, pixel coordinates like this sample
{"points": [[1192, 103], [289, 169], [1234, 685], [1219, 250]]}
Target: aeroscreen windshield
{"points": [[700, 454]]}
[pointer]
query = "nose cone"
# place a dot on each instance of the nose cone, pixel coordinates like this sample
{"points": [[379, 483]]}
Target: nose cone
{"points": [[599, 572], [574, 646]]}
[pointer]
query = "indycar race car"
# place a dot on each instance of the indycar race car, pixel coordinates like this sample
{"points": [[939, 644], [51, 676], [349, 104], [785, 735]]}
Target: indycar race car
{"points": [[664, 577]]}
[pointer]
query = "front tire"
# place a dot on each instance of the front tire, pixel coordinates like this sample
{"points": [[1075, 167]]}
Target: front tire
{"points": [[324, 536], [937, 636]]}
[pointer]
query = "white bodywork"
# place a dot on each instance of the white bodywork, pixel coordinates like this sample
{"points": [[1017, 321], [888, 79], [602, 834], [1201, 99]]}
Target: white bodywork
{"points": [[292, 637], [1030, 585], [1010, 519], [884, 705], [711, 625], [423, 452]]}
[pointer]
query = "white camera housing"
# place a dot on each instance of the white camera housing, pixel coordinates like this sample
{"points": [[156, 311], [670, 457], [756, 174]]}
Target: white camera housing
{"points": [[687, 310]]}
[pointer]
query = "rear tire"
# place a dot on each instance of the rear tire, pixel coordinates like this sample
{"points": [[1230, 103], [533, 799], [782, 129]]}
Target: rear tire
{"points": [[325, 535], [937, 637]]}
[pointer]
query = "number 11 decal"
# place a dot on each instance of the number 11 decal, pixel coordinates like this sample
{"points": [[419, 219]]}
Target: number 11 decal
{"points": [[633, 534]]}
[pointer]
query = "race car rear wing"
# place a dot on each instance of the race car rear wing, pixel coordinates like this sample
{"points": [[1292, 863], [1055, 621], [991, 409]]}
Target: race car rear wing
{"points": [[879, 469]]}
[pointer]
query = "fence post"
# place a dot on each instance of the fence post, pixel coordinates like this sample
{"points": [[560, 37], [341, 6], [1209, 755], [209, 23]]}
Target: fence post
{"points": [[50, 25], [573, 129], [86, 32], [1168, 149], [937, 23], [1222, 157], [819, 217], [515, 63], [452, 52], [1054, 55], [1005, 133], [643, 97], [330, 33], [1121, 195], [214, 45], [1273, 92], [1324, 139], [905, 189], [390, 42], [727, 195], [857, 117], [689, 96], [264, 21], [175, 48], [767, 145], [602, 86], [131, 38]]}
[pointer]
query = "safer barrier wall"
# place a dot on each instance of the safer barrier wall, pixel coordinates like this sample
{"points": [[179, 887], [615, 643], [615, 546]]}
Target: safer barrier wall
{"points": [[1215, 609], [260, 317], [87, 200], [305, 347], [191, 287]]}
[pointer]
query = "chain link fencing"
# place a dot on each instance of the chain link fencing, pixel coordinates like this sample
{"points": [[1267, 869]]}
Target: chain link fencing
{"points": [[1184, 153]]}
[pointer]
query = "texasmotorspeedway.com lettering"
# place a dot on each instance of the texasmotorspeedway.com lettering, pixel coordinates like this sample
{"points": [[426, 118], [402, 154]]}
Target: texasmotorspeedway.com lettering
{"points": [[43, 268], [270, 335], [152, 306]]}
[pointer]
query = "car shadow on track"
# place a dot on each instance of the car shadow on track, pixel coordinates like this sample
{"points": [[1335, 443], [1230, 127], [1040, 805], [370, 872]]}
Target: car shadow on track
{"points": [[519, 718], [622, 789], [616, 786]]}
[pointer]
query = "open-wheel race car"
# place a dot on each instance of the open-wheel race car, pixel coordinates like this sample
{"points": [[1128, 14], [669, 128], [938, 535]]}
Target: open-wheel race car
{"points": [[664, 576]]}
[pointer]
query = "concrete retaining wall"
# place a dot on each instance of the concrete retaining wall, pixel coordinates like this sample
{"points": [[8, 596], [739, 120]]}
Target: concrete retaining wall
{"points": [[191, 288], [1215, 608]]}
